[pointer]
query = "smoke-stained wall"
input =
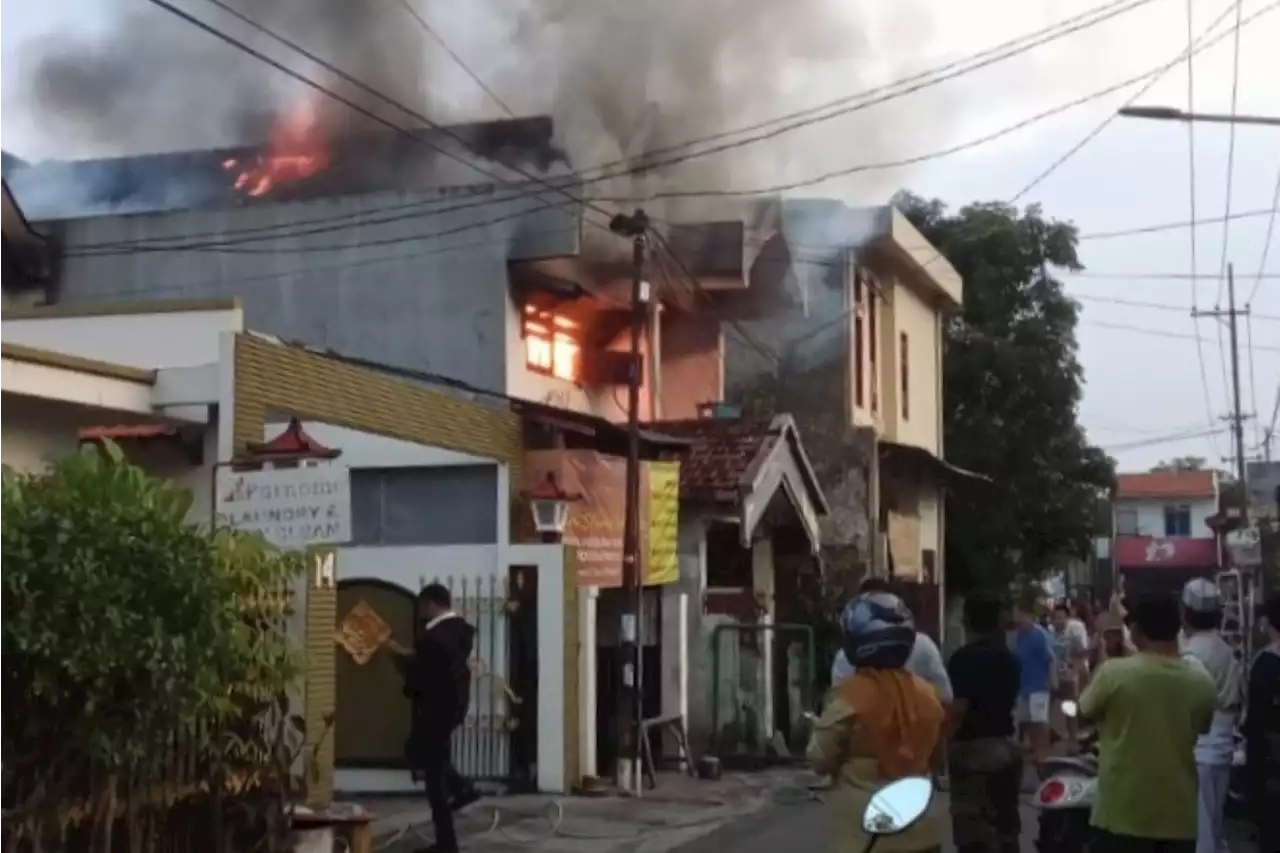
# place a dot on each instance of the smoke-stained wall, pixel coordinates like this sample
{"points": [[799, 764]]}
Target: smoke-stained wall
{"points": [[381, 291]]}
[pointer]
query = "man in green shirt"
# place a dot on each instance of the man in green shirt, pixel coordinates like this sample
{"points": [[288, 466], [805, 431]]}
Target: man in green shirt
{"points": [[1149, 709]]}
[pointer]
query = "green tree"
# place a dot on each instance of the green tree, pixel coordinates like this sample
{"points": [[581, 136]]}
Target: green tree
{"points": [[125, 627], [1012, 386], [1180, 463]]}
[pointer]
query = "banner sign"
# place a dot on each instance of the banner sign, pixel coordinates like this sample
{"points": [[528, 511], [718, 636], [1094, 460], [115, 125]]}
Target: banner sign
{"points": [[293, 508], [662, 522]]}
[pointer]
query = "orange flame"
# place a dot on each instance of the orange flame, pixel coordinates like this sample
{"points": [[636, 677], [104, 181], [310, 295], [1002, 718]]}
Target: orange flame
{"points": [[296, 151]]}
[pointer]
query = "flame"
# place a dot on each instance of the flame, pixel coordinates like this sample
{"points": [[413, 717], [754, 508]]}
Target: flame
{"points": [[296, 151]]}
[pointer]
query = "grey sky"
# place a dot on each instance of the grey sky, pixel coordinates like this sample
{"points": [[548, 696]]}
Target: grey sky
{"points": [[1140, 386]]}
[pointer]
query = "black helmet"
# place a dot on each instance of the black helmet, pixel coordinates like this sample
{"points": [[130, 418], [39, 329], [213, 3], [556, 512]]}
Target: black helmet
{"points": [[877, 630]]}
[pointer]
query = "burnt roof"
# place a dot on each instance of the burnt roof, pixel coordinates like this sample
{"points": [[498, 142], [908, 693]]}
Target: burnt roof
{"points": [[362, 163]]}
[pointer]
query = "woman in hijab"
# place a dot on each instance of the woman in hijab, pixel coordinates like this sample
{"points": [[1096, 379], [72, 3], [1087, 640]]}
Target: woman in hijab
{"points": [[880, 724]]}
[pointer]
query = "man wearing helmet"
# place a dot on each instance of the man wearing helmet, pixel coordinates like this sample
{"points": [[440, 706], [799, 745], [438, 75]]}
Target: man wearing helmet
{"points": [[925, 660], [881, 723], [1202, 645]]}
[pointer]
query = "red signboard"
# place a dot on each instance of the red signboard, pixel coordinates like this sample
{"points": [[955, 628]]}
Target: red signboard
{"points": [[1150, 552]]}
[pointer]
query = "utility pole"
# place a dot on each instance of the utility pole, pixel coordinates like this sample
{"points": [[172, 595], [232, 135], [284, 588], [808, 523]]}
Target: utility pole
{"points": [[635, 226], [1237, 417]]}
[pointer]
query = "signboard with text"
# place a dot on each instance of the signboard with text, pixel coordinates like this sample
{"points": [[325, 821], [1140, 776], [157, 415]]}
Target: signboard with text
{"points": [[292, 508], [595, 524]]}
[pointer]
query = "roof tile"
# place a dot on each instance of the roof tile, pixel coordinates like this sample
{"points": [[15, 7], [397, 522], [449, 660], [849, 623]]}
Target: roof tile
{"points": [[1166, 484], [720, 453]]}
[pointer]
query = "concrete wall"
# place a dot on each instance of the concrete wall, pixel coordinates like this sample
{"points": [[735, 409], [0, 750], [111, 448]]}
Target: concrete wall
{"points": [[1151, 515], [692, 363], [35, 432], [362, 275], [912, 316], [157, 336]]}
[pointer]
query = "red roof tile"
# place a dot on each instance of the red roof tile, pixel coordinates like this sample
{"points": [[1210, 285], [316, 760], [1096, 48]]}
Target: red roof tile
{"points": [[720, 452], [1166, 484], [98, 433]]}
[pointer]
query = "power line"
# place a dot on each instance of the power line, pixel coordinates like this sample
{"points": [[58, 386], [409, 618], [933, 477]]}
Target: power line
{"points": [[1161, 333], [1014, 47], [648, 163], [458, 60], [1231, 145], [1192, 223], [1152, 276], [1158, 306], [1165, 439], [870, 97], [1186, 55], [231, 245], [1266, 243]]}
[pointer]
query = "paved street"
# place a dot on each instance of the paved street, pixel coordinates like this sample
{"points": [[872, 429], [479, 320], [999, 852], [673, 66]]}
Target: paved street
{"points": [[803, 827]]}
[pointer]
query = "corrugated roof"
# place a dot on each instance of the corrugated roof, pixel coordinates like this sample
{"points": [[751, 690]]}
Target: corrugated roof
{"points": [[1166, 484]]}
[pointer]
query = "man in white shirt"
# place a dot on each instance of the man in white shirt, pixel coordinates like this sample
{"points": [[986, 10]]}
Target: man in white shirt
{"points": [[925, 660], [1202, 645]]}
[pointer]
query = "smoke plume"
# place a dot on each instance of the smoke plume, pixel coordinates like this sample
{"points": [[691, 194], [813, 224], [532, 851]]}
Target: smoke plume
{"points": [[152, 82]]}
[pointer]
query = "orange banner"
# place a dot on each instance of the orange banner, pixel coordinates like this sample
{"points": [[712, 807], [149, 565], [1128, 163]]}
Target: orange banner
{"points": [[594, 528]]}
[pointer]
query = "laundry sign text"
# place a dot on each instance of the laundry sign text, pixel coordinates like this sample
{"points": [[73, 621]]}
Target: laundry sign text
{"points": [[291, 507]]}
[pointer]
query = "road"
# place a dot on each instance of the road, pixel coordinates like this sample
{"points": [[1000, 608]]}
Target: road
{"points": [[803, 828]]}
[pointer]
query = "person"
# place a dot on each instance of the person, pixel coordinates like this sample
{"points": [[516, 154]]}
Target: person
{"points": [[1149, 708], [438, 681], [1202, 644], [1033, 647], [984, 757], [880, 724], [1262, 731], [925, 660], [1071, 648]]}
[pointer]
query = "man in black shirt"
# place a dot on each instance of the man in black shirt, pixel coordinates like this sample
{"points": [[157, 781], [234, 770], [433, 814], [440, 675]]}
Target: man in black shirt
{"points": [[1262, 731], [985, 759], [438, 682]]}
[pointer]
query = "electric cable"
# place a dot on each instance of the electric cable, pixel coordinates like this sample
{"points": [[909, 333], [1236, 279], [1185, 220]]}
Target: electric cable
{"points": [[1162, 333], [1108, 12], [1231, 146], [1111, 116], [1266, 243], [453, 54], [1253, 377], [1156, 306], [238, 246], [1165, 439]]}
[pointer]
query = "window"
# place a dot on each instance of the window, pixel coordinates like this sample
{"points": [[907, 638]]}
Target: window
{"points": [[1177, 520], [444, 505], [1126, 522], [551, 344], [873, 344], [859, 342], [904, 358]]}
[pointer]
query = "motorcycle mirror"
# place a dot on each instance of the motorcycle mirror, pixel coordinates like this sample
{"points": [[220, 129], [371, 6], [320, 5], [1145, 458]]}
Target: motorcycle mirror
{"points": [[810, 717], [1070, 708], [896, 806]]}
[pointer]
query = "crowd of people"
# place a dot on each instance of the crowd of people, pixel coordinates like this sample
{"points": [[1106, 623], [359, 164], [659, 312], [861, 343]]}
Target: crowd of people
{"points": [[1165, 692]]}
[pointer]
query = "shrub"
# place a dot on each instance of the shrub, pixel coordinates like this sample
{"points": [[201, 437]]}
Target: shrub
{"points": [[127, 628]]}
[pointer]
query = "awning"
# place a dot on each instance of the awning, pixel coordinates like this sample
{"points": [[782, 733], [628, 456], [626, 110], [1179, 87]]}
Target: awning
{"points": [[1150, 552], [938, 467]]}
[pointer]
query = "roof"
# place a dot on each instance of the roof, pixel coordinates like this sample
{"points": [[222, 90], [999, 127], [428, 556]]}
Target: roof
{"points": [[746, 461], [110, 308], [1157, 485], [592, 426], [50, 358], [363, 163]]}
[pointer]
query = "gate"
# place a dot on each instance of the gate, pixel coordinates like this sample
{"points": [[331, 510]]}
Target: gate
{"points": [[498, 740]]}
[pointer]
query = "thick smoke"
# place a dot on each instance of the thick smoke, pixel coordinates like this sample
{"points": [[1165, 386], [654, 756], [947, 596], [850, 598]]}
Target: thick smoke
{"points": [[152, 82]]}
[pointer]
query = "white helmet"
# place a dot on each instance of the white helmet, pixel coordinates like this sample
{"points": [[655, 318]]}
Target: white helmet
{"points": [[1201, 595]]}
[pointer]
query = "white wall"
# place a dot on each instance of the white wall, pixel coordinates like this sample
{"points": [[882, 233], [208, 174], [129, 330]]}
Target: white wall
{"points": [[1151, 515], [145, 340], [34, 432]]}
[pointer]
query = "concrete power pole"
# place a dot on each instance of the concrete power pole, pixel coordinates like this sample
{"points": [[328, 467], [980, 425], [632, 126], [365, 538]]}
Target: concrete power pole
{"points": [[628, 773], [1237, 417]]}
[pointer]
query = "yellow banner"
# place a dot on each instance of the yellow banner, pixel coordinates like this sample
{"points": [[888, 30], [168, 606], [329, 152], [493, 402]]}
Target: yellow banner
{"points": [[661, 522]]}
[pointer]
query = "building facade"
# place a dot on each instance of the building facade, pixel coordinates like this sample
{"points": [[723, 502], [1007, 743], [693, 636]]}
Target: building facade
{"points": [[1160, 524]]}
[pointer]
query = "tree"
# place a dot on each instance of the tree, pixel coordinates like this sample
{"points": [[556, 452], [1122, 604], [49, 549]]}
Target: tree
{"points": [[127, 629], [1180, 463], [1012, 384]]}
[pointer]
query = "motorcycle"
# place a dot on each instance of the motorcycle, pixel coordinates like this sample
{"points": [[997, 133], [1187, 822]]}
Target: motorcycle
{"points": [[1065, 797]]}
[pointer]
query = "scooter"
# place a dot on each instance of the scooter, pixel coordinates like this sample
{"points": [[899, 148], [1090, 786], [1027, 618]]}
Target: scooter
{"points": [[1065, 797], [895, 808]]}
